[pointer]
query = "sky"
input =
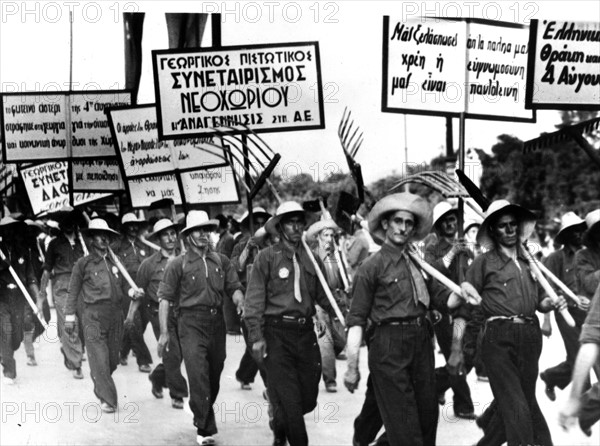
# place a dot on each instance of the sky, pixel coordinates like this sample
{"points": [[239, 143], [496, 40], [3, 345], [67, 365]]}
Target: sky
{"points": [[34, 56]]}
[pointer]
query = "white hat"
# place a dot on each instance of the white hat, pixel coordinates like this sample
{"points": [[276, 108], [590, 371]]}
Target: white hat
{"points": [[99, 225], [592, 218], [315, 229], [256, 212], [526, 220], [403, 201], [569, 221], [285, 208], [130, 218], [161, 225], [442, 209], [198, 219]]}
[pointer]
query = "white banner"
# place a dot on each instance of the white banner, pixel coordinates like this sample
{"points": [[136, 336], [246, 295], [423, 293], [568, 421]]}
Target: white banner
{"points": [[144, 191], [215, 185], [274, 87], [96, 175]]}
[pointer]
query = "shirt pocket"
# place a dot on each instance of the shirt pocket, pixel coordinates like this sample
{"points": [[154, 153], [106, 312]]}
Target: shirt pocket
{"points": [[216, 277], [97, 283]]}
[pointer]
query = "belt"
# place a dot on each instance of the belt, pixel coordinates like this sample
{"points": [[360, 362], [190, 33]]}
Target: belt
{"points": [[513, 319], [202, 309], [289, 320], [418, 320]]}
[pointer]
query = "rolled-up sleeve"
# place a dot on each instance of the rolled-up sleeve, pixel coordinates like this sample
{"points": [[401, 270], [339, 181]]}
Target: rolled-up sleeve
{"points": [[363, 293], [256, 295]]}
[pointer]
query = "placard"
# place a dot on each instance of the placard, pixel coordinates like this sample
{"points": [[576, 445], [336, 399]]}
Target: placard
{"points": [[47, 126], [47, 187], [144, 191], [269, 88], [141, 153], [96, 175], [435, 66], [7, 172], [564, 65], [215, 185]]}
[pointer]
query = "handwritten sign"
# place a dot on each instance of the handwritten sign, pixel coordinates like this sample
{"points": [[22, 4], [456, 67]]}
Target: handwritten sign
{"points": [[96, 175], [58, 125], [274, 87], [144, 191], [142, 154], [436, 66], [215, 185], [564, 65], [47, 187]]}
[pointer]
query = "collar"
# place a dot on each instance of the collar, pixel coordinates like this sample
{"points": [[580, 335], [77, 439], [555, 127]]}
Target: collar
{"points": [[505, 259], [192, 256], [392, 254]]}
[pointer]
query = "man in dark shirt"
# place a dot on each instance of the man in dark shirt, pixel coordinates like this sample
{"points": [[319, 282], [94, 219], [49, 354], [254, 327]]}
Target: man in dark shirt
{"points": [[562, 264], [132, 253], [586, 406], [98, 286], [63, 252], [149, 275], [197, 283], [512, 341], [278, 310], [390, 291], [12, 301]]}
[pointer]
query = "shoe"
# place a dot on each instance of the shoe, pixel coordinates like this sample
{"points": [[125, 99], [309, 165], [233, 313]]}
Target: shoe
{"points": [[145, 368], [202, 441], [156, 389], [123, 361], [466, 415], [483, 379], [550, 393], [586, 431], [244, 385], [331, 387], [441, 399], [177, 403], [31, 361], [77, 373], [107, 408]]}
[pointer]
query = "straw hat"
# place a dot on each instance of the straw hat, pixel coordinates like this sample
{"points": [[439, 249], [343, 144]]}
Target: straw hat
{"points": [[526, 220], [315, 229], [99, 225], [592, 219], [196, 220], [569, 221], [285, 208], [161, 225], [441, 210], [131, 218], [256, 212], [403, 201]]}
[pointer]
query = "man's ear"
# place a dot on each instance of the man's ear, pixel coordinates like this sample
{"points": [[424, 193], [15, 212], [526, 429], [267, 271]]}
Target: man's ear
{"points": [[384, 224]]}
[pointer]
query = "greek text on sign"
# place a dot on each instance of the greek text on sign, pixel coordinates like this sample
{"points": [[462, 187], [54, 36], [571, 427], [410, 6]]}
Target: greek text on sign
{"points": [[275, 87], [564, 65], [144, 191], [47, 186], [141, 152], [95, 175], [58, 125], [447, 67], [215, 185]]}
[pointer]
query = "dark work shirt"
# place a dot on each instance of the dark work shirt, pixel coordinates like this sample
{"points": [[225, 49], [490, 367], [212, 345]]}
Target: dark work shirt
{"points": [[132, 254], [191, 280], [590, 332], [150, 273], [587, 264], [235, 258], [271, 288], [505, 289], [382, 290], [95, 279], [17, 256], [61, 255], [225, 244], [357, 249]]}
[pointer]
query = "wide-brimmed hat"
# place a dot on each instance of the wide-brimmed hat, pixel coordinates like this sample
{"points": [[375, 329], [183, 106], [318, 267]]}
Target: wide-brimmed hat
{"points": [[131, 218], [591, 221], [37, 225], [315, 229], [99, 225], [525, 217], [161, 225], [403, 201], [285, 208], [442, 209], [470, 223], [256, 212], [570, 221], [198, 219]]}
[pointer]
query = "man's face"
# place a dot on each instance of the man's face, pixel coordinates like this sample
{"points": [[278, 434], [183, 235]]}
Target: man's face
{"points": [[168, 239], [399, 227], [471, 234], [132, 230], [505, 230], [259, 222], [201, 236], [326, 239], [573, 237], [293, 227], [100, 241], [449, 225], [68, 228]]}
